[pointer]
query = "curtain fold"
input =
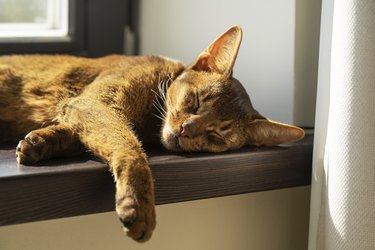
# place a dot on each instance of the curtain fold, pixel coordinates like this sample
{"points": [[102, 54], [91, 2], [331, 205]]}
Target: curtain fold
{"points": [[343, 184]]}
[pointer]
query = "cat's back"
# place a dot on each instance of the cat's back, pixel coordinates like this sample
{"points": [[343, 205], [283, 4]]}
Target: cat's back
{"points": [[57, 69], [40, 69], [30, 79], [42, 64]]}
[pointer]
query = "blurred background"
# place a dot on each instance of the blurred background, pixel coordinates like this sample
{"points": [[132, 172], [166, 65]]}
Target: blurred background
{"points": [[277, 64]]}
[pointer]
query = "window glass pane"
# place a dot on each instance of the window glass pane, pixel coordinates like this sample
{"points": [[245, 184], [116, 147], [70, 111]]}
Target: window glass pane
{"points": [[23, 11], [33, 18]]}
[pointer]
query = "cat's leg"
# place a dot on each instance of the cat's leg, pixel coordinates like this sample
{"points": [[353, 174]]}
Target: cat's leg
{"points": [[109, 136], [44, 143]]}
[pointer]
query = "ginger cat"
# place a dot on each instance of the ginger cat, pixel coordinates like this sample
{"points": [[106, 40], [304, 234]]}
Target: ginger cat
{"points": [[104, 104]]}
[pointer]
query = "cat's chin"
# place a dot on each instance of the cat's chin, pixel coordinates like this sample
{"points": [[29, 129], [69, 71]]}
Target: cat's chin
{"points": [[170, 140], [172, 144]]}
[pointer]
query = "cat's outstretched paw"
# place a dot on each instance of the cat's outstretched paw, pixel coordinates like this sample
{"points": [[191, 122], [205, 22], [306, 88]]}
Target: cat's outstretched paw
{"points": [[31, 149], [137, 215]]}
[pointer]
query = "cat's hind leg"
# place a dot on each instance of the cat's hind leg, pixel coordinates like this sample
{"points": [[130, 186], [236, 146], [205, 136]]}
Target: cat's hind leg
{"points": [[48, 142]]}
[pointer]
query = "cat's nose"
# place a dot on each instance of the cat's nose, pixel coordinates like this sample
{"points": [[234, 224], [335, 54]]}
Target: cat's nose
{"points": [[186, 130]]}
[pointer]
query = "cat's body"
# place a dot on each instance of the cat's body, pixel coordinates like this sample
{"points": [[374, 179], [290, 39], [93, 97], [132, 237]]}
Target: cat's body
{"points": [[34, 88], [106, 104]]}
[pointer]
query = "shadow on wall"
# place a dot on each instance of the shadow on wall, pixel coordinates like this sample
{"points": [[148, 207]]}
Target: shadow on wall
{"points": [[132, 37], [306, 56]]}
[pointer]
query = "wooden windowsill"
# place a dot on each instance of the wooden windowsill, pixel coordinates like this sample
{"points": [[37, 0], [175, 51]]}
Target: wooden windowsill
{"points": [[78, 186]]}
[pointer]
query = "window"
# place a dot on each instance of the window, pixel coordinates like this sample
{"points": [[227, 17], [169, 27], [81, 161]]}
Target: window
{"points": [[80, 27], [33, 19]]}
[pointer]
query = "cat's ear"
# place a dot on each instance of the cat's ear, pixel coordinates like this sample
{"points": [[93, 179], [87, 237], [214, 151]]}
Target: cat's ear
{"points": [[220, 55], [267, 132]]}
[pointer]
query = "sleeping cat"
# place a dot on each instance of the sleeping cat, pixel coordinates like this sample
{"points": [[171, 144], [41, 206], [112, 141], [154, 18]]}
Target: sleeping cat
{"points": [[106, 104]]}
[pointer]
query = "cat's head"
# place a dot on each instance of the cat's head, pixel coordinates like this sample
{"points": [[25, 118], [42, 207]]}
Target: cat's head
{"points": [[207, 109]]}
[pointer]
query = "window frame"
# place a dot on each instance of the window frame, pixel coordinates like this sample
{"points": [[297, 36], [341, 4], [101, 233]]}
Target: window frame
{"points": [[96, 28], [54, 25]]}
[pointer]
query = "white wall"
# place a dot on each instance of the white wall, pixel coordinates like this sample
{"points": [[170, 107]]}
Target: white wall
{"points": [[266, 64], [273, 220]]}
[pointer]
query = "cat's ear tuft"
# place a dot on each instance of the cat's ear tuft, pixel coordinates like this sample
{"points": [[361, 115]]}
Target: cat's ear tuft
{"points": [[220, 55], [267, 132]]}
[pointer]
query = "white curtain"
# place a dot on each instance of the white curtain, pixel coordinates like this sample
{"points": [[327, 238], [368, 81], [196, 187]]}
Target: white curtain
{"points": [[343, 184]]}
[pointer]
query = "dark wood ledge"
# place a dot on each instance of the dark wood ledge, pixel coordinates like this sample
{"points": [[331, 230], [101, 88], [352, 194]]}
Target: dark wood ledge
{"points": [[78, 186]]}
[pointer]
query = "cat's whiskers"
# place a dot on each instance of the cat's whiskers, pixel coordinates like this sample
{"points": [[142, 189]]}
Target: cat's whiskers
{"points": [[161, 112], [163, 86], [157, 116], [161, 102], [161, 91], [160, 98], [157, 102]]}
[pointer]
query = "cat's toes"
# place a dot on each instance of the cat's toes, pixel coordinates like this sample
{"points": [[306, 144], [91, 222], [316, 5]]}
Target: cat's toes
{"points": [[31, 149], [137, 217]]}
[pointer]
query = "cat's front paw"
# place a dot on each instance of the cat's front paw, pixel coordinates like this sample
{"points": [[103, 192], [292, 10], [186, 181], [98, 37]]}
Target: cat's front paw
{"points": [[137, 213], [31, 149]]}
